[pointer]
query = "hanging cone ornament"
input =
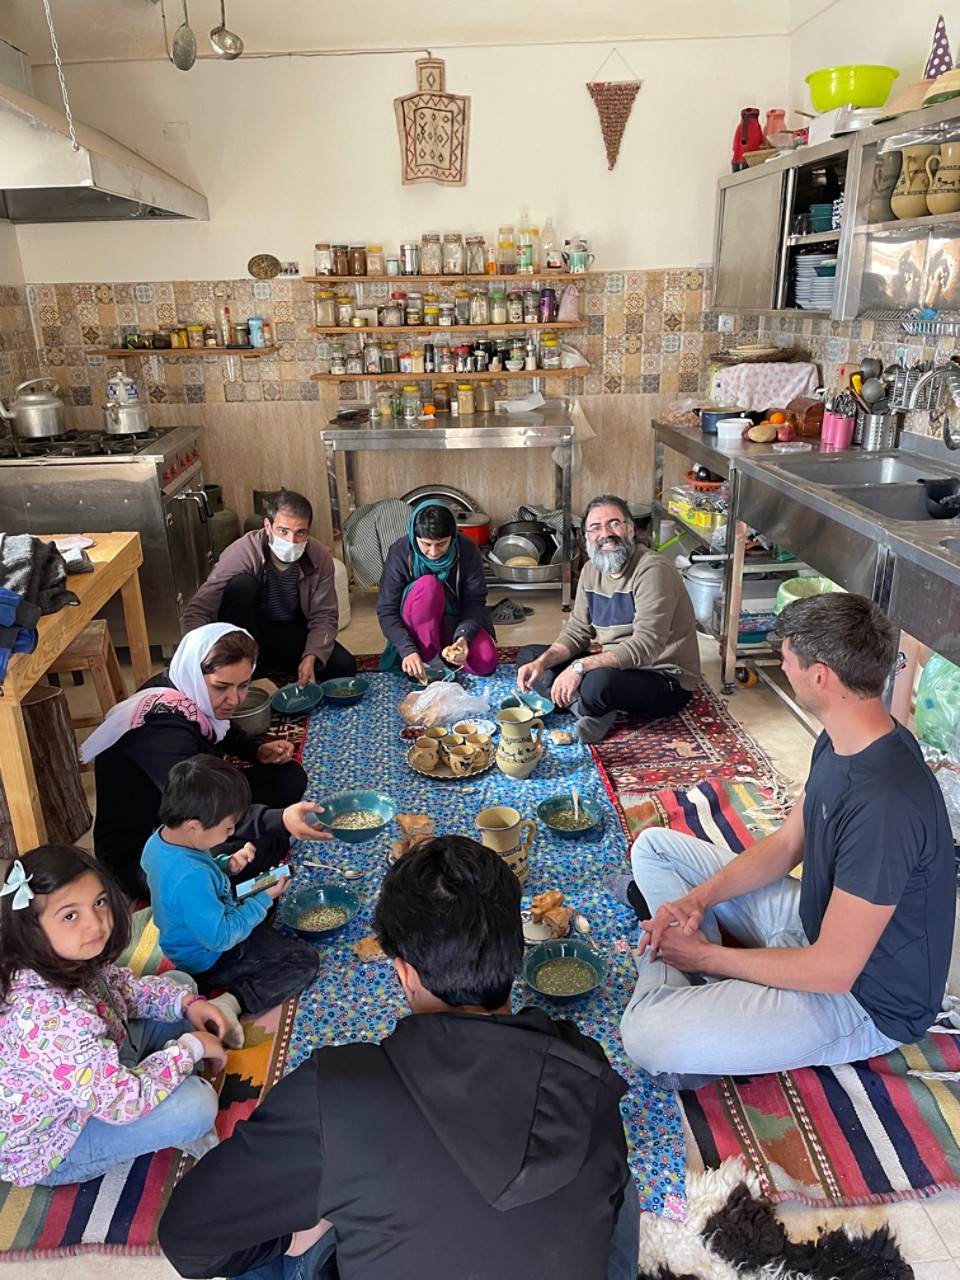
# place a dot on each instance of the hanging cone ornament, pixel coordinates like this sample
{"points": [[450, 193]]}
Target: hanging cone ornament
{"points": [[614, 101], [940, 59]]}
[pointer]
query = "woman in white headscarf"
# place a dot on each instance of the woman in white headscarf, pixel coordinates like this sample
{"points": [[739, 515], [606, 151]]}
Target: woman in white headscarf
{"points": [[181, 713]]}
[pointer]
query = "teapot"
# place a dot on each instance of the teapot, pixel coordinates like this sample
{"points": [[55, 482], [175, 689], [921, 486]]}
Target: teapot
{"points": [[36, 415]]}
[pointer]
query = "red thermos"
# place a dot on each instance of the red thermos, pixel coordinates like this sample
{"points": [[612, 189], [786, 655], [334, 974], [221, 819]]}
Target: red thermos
{"points": [[749, 137]]}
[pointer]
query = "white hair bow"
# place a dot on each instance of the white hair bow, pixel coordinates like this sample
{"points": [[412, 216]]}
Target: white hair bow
{"points": [[18, 883]]}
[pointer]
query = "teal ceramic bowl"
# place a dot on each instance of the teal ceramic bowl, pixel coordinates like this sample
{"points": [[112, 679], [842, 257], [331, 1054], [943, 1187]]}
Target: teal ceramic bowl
{"points": [[345, 692], [351, 802], [535, 702], [435, 671], [548, 809], [295, 902], [291, 700], [564, 948]]}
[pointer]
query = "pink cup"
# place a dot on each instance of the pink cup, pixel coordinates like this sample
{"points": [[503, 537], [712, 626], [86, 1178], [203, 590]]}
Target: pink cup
{"points": [[836, 433]]}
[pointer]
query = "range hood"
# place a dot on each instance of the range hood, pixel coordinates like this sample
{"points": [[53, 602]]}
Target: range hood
{"points": [[42, 179]]}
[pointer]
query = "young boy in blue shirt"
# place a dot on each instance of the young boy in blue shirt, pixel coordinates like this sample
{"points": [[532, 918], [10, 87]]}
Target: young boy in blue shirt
{"points": [[204, 929]]}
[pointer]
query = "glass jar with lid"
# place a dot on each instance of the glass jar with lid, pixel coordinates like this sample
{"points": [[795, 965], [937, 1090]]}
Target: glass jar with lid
{"points": [[338, 358], [485, 398], [371, 358], [431, 257], [354, 362], [323, 356], [325, 307], [341, 259], [385, 405], [376, 263], [413, 310], [461, 306], [406, 359], [498, 308], [441, 397], [447, 314], [531, 306], [412, 404], [394, 311], [549, 351], [345, 310], [514, 308], [358, 259], [475, 256], [453, 254], [479, 307], [446, 362], [322, 260], [466, 399], [431, 309], [389, 358]]}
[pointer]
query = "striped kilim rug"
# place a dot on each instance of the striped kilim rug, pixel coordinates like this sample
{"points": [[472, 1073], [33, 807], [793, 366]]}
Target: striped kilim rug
{"points": [[119, 1212], [866, 1133]]}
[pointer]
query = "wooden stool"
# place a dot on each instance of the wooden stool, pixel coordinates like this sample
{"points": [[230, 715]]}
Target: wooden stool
{"points": [[93, 651]]}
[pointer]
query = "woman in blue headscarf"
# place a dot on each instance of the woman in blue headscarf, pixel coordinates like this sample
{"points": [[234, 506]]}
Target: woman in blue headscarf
{"points": [[432, 598]]}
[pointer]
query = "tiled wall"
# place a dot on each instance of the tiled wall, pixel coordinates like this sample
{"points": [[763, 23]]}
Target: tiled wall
{"points": [[647, 333], [18, 353]]}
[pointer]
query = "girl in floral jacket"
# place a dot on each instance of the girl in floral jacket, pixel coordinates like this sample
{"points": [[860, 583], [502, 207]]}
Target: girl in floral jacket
{"points": [[96, 1066]]}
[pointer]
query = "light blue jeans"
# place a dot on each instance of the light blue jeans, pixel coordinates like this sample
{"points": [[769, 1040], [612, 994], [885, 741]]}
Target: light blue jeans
{"points": [[183, 1117], [624, 1250], [726, 1026]]}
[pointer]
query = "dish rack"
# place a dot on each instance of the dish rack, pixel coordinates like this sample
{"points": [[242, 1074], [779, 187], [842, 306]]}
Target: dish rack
{"points": [[945, 324]]}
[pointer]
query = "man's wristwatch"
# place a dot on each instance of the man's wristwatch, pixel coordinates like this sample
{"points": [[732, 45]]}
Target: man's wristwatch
{"points": [[578, 667]]}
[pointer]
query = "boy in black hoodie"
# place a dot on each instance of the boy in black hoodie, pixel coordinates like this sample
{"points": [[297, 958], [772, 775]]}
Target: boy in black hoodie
{"points": [[470, 1142]]}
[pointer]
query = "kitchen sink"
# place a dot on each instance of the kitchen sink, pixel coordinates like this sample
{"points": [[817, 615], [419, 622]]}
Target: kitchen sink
{"points": [[827, 469], [896, 501]]}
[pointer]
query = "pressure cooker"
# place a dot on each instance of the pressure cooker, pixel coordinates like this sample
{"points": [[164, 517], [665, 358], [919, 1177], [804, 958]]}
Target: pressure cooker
{"points": [[36, 415]]}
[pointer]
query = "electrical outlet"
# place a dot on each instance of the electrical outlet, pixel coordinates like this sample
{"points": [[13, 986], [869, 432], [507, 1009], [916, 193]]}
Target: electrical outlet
{"points": [[289, 268], [725, 324]]}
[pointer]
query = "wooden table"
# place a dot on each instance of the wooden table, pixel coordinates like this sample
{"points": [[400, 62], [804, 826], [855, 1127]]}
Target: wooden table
{"points": [[116, 557]]}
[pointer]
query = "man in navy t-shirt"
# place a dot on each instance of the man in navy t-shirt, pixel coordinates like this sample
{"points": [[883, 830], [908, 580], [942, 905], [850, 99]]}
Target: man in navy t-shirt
{"points": [[851, 960]]}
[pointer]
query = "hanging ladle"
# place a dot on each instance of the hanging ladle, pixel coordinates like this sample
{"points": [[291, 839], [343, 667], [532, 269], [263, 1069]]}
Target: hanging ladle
{"points": [[184, 53], [225, 43]]}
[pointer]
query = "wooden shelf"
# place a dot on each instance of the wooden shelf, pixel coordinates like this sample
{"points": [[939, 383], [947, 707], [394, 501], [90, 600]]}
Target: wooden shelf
{"points": [[182, 353], [448, 377], [565, 276], [386, 329]]}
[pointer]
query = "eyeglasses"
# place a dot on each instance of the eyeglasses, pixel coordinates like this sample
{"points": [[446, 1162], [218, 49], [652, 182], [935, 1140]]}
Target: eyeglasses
{"points": [[609, 526]]}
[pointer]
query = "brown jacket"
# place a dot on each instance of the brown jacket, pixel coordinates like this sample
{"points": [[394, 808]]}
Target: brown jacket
{"points": [[318, 595]]}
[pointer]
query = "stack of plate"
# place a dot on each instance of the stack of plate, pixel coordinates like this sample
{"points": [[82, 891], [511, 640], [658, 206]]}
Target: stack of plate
{"points": [[813, 292]]}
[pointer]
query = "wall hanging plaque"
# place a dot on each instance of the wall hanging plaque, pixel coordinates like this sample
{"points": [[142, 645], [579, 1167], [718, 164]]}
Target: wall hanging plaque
{"points": [[433, 126]]}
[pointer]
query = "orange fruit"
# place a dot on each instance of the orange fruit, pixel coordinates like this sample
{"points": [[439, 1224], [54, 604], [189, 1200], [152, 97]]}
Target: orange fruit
{"points": [[778, 418]]}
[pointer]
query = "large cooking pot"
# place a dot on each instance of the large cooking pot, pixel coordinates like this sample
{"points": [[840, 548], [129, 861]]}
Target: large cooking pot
{"points": [[475, 525], [125, 419], [710, 417], [253, 713], [36, 415]]}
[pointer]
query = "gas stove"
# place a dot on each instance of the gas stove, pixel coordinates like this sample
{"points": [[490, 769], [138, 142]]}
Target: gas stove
{"points": [[173, 450]]}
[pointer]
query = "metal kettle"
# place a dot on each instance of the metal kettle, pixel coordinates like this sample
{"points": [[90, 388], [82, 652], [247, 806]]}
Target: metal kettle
{"points": [[36, 415], [125, 419]]}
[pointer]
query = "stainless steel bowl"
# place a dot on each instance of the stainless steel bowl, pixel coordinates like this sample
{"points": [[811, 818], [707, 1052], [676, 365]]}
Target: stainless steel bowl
{"points": [[517, 573], [515, 545], [253, 713]]}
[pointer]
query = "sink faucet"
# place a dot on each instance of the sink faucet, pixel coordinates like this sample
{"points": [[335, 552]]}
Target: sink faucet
{"points": [[950, 373]]}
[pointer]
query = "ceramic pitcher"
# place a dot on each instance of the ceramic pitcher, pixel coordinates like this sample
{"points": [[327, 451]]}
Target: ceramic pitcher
{"points": [[943, 170], [519, 751], [909, 199], [503, 830]]}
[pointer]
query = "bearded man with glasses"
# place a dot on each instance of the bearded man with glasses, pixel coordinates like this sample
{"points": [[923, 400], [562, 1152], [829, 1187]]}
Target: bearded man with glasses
{"points": [[631, 641]]}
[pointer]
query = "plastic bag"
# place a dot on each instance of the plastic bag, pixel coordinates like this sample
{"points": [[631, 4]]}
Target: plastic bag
{"points": [[938, 705], [442, 703], [571, 358]]}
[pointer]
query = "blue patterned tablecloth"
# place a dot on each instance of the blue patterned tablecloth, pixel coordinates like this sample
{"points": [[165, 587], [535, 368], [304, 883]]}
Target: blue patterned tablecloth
{"points": [[360, 747]]}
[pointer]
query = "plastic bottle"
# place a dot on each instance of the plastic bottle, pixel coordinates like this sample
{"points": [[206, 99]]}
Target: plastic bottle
{"points": [[508, 251], [550, 251], [524, 246], [535, 239], [226, 333]]}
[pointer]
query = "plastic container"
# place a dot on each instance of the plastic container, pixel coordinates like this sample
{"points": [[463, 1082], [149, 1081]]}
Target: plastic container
{"points": [[730, 430], [858, 85], [704, 583], [802, 589]]}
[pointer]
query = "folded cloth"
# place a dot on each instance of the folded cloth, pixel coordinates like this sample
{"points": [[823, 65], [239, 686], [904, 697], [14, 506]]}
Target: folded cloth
{"points": [[759, 387], [35, 571]]}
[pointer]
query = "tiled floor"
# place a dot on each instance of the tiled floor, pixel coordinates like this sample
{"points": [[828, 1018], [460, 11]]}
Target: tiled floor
{"points": [[929, 1231]]}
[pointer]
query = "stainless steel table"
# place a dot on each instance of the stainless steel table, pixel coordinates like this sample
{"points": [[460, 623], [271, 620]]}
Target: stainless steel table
{"points": [[546, 428]]}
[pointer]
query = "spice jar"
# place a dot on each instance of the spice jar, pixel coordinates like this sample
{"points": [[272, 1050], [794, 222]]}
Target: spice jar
{"points": [[393, 312], [549, 351], [393, 266], [447, 314], [412, 406], [341, 259], [453, 254], [466, 399], [531, 306], [447, 362], [338, 358], [160, 341], [413, 311], [322, 260], [210, 338], [417, 360], [498, 308], [475, 256], [485, 398], [178, 338], [375, 260], [406, 360], [325, 307], [323, 356], [514, 308], [354, 363], [409, 259], [431, 259], [344, 311], [441, 397], [389, 358], [358, 259], [479, 307], [463, 359], [371, 357], [461, 306], [431, 309]]}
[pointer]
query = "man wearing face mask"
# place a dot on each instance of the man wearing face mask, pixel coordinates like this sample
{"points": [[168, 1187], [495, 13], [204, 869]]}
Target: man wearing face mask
{"points": [[632, 607], [277, 583]]}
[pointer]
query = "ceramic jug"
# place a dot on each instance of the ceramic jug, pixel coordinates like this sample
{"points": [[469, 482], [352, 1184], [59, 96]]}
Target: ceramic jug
{"points": [[909, 199], [506, 833], [943, 170], [519, 751]]}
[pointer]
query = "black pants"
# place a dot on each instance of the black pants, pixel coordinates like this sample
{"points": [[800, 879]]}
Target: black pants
{"points": [[281, 644], [263, 970], [276, 786], [606, 689]]}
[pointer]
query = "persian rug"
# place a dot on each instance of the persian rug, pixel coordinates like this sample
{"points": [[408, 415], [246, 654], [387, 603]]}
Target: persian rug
{"points": [[731, 1233], [359, 746], [119, 1212]]}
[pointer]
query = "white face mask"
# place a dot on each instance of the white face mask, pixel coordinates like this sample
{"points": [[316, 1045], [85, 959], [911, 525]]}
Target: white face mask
{"points": [[288, 552]]}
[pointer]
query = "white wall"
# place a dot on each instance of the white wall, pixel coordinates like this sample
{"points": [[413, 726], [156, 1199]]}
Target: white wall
{"points": [[887, 32], [289, 152], [11, 269]]}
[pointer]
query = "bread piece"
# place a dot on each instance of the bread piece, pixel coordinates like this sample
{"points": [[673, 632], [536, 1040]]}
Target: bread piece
{"points": [[368, 950], [561, 738], [415, 824], [545, 902], [452, 653]]}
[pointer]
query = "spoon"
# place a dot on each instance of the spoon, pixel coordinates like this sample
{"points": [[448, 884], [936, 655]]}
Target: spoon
{"points": [[184, 44], [225, 43], [576, 804], [348, 873]]}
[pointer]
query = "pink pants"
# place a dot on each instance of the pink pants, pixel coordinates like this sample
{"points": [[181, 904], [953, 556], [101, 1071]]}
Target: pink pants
{"points": [[424, 618]]}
